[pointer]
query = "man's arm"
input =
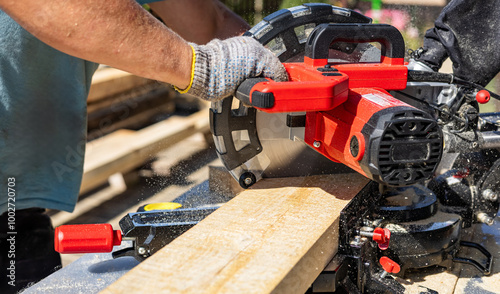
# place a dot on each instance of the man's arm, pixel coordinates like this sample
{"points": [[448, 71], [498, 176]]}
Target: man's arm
{"points": [[200, 21], [119, 33]]}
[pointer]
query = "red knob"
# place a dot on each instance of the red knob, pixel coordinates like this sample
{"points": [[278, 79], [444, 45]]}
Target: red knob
{"points": [[86, 238], [389, 265], [483, 96], [382, 237]]}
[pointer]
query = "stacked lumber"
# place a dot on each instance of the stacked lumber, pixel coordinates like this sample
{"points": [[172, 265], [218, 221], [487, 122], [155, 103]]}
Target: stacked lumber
{"points": [[124, 150], [121, 100], [108, 81]]}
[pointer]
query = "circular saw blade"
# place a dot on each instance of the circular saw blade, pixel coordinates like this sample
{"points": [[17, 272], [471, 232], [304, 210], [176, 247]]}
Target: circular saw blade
{"points": [[288, 155]]}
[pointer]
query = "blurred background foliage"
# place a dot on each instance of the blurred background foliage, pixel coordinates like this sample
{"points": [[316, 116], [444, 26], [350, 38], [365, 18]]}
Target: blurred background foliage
{"points": [[411, 20]]}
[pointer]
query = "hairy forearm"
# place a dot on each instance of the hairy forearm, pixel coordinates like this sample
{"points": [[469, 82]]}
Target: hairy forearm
{"points": [[118, 33], [200, 21]]}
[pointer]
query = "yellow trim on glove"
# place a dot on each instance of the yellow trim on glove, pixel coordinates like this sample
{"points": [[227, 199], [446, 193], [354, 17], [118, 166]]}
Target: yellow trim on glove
{"points": [[192, 74]]}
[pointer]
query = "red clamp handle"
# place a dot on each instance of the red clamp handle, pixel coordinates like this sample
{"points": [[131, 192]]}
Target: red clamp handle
{"points": [[86, 238], [382, 237], [389, 265]]}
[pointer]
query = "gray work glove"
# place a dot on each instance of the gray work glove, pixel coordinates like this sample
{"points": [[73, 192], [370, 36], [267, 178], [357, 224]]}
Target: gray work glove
{"points": [[221, 66]]}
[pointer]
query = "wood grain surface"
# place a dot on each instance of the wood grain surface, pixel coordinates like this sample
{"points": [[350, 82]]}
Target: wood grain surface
{"points": [[274, 238]]}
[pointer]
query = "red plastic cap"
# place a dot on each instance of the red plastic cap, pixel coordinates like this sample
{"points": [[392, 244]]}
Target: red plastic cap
{"points": [[483, 96], [86, 238], [389, 265], [382, 237]]}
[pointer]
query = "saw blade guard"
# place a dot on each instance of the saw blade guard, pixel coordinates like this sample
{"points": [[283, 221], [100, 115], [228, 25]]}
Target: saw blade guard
{"points": [[237, 142], [275, 149]]}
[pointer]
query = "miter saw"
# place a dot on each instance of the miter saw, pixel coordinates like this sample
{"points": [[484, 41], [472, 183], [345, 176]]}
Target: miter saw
{"points": [[351, 100], [351, 104]]}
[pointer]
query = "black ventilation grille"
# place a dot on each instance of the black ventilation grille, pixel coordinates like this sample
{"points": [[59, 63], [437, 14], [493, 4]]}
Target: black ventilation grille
{"points": [[410, 148]]}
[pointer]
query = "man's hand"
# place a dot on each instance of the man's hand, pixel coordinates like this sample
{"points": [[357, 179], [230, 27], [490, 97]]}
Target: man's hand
{"points": [[220, 66]]}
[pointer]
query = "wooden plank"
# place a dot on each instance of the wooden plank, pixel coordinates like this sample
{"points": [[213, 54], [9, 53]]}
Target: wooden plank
{"points": [[110, 81], [276, 237], [125, 150]]}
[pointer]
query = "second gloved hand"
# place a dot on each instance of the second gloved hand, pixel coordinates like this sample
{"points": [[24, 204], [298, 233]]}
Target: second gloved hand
{"points": [[221, 65]]}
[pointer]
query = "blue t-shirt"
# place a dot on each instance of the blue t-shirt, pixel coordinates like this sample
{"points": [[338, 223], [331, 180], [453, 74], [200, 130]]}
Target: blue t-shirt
{"points": [[43, 120]]}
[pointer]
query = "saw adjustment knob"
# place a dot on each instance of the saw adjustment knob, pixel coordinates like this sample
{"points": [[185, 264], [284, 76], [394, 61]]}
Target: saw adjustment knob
{"points": [[380, 235], [389, 266], [483, 96], [86, 238]]}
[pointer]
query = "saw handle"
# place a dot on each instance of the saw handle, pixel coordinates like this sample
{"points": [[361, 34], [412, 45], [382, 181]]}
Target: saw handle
{"points": [[393, 45], [307, 89], [95, 238], [257, 99]]}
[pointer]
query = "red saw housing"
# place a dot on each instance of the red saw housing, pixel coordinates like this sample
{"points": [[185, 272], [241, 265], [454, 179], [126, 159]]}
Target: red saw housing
{"points": [[351, 117]]}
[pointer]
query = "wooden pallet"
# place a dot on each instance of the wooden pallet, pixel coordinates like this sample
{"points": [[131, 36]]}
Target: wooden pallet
{"points": [[121, 100], [107, 82], [125, 150]]}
